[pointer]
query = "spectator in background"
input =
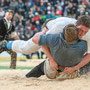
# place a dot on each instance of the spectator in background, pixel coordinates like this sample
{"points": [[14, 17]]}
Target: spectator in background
{"points": [[49, 15], [2, 12], [30, 15], [49, 7], [20, 7], [87, 11], [19, 27], [58, 5], [29, 30], [13, 4], [31, 3], [36, 17], [21, 33], [53, 11], [27, 9], [74, 9], [43, 16], [42, 7], [37, 26], [7, 4], [37, 2], [2, 4], [41, 21], [58, 12]]}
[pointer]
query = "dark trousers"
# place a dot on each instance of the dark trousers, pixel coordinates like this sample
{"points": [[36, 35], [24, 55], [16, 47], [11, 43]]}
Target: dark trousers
{"points": [[39, 70], [13, 58], [36, 71]]}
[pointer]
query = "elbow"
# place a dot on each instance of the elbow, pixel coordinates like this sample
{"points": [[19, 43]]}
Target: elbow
{"points": [[35, 38]]}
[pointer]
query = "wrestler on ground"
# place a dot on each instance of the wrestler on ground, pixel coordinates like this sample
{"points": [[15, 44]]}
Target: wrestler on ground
{"points": [[56, 26], [66, 50]]}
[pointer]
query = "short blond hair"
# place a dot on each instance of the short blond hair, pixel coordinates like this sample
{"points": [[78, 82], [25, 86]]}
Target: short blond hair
{"points": [[70, 33]]}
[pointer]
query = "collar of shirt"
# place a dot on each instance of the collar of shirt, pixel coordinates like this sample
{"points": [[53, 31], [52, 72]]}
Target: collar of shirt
{"points": [[8, 22]]}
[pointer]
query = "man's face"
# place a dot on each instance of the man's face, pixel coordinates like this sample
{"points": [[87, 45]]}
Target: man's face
{"points": [[9, 15], [82, 30]]}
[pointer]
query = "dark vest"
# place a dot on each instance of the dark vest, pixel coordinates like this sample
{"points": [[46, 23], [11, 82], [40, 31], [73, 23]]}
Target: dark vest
{"points": [[4, 31]]}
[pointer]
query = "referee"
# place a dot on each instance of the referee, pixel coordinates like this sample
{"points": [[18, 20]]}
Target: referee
{"points": [[7, 28]]}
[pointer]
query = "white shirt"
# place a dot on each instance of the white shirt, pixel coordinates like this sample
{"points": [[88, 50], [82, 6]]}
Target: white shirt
{"points": [[8, 22], [56, 26], [87, 38]]}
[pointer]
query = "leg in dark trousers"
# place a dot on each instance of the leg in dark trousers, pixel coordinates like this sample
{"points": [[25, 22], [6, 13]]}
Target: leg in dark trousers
{"points": [[36, 71], [13, 59], [13, 54], [85, 69]]}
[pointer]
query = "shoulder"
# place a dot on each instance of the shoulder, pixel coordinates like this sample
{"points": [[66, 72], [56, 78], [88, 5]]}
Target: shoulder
{"points": [[82, 43], [50, 36], [54, 36]]}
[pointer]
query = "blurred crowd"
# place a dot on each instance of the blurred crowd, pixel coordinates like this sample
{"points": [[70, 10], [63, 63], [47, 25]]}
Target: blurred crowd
{"points": [[29, 15]]}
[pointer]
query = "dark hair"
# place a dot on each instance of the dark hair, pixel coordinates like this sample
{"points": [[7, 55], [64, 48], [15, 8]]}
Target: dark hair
{"points": [[84, 20], [70, 33]]}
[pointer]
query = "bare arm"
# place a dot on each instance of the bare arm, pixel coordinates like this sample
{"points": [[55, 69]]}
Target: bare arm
{"points": [[15, 36], [84, 61], [48, 53], [46, 50], [36, 37]]}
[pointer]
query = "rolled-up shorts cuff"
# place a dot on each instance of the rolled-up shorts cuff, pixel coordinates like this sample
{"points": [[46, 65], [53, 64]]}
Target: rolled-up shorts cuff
{"points": [[49, 71]]}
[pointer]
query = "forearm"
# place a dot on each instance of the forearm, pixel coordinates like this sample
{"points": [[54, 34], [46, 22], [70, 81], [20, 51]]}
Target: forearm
{"points": [[84, 61], [46, 50], [16, 37]]}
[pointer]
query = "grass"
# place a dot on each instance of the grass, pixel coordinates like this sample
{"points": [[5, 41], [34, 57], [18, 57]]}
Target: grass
{"points": [[22, 68], [17, 67]]}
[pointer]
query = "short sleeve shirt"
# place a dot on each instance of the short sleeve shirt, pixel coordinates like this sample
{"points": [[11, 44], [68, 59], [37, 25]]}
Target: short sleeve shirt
{"points": [[64, 54]]}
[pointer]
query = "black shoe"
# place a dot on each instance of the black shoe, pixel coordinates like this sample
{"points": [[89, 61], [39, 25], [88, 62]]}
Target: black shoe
{"points": [[3, 45]]}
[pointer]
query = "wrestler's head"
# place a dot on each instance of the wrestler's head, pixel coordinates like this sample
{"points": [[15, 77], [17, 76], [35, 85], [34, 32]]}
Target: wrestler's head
{"points": [[70, 33], [83, 25]]}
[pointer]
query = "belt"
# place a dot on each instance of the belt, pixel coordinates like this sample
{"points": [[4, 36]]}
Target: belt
{"points": [[59, 68]]}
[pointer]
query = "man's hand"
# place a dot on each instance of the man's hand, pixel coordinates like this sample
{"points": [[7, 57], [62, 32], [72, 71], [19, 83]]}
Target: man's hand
{"points": [[44, 30], [69, 70], [54, 65]]}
